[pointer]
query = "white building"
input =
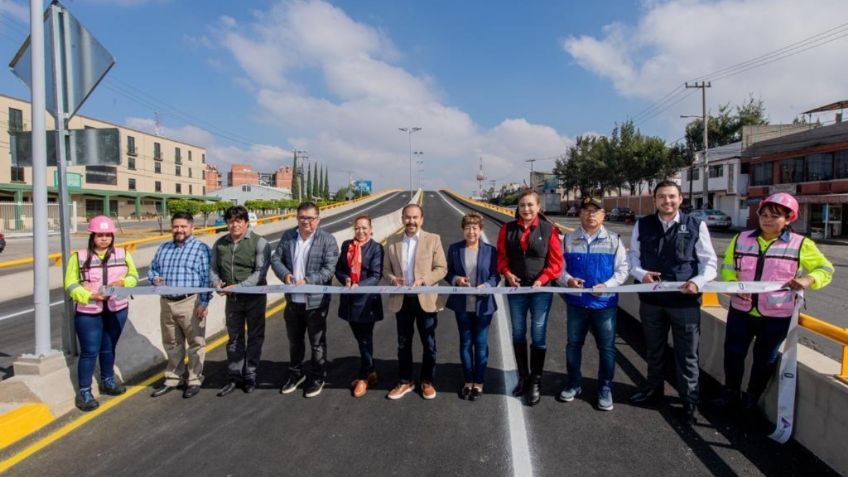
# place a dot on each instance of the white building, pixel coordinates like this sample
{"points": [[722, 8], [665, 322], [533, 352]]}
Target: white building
{"points": [[727, 186], [240, 194]]}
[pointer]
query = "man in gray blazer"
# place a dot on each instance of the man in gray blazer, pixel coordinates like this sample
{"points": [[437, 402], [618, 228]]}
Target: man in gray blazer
{"points": [[306, 255]]}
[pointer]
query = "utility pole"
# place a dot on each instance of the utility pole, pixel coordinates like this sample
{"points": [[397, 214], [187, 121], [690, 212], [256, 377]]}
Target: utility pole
{"points": [[531, 161], [703, 87], [410, 130]]}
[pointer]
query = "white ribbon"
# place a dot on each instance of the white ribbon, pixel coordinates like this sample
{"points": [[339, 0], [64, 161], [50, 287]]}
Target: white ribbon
{"points": [[659, 287], [788, 378]]}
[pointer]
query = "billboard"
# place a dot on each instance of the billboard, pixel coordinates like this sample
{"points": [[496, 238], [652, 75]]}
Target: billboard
{"points": [[362, 185]]}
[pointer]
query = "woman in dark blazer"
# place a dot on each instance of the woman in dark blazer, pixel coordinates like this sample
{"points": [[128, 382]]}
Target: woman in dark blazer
{"points": [[361, 263], [473, 263]]}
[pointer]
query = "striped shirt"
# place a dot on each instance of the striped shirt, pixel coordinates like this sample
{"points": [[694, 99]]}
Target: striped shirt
{"points": [[183, 265]]}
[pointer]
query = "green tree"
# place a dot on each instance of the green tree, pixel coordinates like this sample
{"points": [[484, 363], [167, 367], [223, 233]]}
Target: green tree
{"points": [[726, 126], [308, 195], [316, 189], [326, 183], [295, 187]]}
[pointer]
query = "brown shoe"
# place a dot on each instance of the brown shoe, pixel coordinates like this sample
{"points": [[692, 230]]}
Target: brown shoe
{"points": [[400, 390], [427, 390], [359, 388], [372, 378]]}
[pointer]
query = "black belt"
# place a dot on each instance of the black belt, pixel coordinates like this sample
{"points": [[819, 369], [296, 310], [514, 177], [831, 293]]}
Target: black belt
{"points": [[177, 297]]}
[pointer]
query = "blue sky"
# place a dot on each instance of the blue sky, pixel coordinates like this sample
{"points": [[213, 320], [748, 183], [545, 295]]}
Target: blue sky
{"points": [[506, 81]]}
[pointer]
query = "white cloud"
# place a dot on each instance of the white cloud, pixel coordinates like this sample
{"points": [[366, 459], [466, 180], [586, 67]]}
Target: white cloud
{"points": [[677, 41], [15, 10], [347, 113]]}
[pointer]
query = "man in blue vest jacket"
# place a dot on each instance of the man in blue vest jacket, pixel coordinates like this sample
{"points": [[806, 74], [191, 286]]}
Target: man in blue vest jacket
{"points": [[594, 259], [671, 246]]}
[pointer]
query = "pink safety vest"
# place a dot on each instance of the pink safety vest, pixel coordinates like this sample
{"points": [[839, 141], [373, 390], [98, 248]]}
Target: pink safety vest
{"points": [[779, 262], [115, 268]]}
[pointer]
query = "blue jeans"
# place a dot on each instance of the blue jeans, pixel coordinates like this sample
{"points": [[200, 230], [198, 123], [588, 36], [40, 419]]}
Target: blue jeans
{"points": [[473, 345], [602, 323], [767, 334], [98, 335], [539, 304]]}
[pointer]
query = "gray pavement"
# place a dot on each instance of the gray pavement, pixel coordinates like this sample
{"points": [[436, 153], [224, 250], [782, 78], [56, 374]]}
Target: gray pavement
{"points": [[16, 316], [825, 304], [266, 433]]}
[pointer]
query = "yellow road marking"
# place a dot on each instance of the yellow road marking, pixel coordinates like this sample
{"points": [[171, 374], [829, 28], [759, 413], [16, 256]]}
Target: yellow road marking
{"points": [[83, 419], [23, 421]]}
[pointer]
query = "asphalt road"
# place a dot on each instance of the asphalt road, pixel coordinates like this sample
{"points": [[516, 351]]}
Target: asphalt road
{"points": [[16, 316], [826, 304], [266, 433]]}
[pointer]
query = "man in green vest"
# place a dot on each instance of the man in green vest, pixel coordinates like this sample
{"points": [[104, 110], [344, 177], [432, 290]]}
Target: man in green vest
{"points": [[241, 258]]}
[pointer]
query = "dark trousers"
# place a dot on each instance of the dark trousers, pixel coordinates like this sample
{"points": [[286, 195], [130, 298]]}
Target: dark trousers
{"points": [[767, 334], [98, 335], [244, 352], [685, 324], [312, 323], [473, 344], [364, 334], [408, 317]]}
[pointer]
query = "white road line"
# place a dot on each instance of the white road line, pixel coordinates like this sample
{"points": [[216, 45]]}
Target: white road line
{"points": [[522, 464]]}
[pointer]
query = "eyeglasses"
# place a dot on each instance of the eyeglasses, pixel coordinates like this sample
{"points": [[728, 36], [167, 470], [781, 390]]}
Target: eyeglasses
{"points": [[591, 212], [307, 219]]}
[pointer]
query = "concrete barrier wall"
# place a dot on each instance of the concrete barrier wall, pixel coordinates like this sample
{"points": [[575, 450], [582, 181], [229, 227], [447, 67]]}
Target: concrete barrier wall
{"points": [[821, 403]]}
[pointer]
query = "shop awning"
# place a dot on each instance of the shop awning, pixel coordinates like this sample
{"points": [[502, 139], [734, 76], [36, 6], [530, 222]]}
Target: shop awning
{"points": [[823, 199]]}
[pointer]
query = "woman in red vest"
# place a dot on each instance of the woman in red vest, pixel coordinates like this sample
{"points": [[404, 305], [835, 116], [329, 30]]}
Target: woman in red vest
{"points": [[99, 319], [772, 252]]}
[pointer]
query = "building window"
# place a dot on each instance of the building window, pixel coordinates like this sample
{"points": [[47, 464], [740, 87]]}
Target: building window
{"points": [[245, 188], [717, 171], [157, 151], [840, 164], [131, 163], [179, 188], [157, 167], [189, 154], [204, 190], [203, 158], [203, 174], [820, 167], [16, 120], [18, 174], [101, 175], [792, 170], [693, 173], [131, 146], [178, 170], [190, 191], [189, 172], [178, 157], [157, 186], [131, 183], [761, 174]]}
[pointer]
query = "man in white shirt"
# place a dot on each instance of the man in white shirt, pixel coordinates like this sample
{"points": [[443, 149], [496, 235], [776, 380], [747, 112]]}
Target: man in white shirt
{"points": [[671, 246], [306, 255], [415, 259]]}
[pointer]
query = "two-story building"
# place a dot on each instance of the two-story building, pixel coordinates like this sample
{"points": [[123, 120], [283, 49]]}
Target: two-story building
{"points": [[813, 166], [727, 185]]}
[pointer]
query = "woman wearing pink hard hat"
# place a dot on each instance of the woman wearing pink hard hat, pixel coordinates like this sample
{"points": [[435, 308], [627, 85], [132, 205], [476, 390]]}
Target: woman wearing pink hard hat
{"points": [[771, 252], [99, 319]]}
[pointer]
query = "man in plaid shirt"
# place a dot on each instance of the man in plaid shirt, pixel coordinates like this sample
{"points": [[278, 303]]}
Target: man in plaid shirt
{"points": [[182, 262]]}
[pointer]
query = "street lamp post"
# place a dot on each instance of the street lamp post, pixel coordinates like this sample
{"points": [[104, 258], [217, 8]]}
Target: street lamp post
{"points": [[419, 165], [409, 132]]}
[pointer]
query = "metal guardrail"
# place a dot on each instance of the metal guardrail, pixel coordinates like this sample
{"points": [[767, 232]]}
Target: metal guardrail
{"points": [[132, 245], [830, 331]]}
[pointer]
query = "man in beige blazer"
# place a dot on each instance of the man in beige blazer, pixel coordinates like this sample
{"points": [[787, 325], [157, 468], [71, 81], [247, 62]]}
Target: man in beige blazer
{"points": [[415, 258]]}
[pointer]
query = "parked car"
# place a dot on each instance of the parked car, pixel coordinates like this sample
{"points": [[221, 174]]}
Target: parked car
{"points": [[715, 219], [572, 211], [622, 214], [2, 242]]}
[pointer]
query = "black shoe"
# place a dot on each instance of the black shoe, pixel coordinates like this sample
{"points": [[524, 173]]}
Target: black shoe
{"points": [[292, 383], [248, 386], [162, 390], [191, 391], [534, 391], [227, 389], [465, 392], [112, 387], [647, 395], [313, 388], [476, 393], [521, 363], [688, 412], [518, 390], [85, 401], [728, 399], [750, 403]]}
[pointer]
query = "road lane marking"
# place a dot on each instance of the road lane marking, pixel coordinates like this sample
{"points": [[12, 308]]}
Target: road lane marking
{"points": [[105, 406], [522, 464]]}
